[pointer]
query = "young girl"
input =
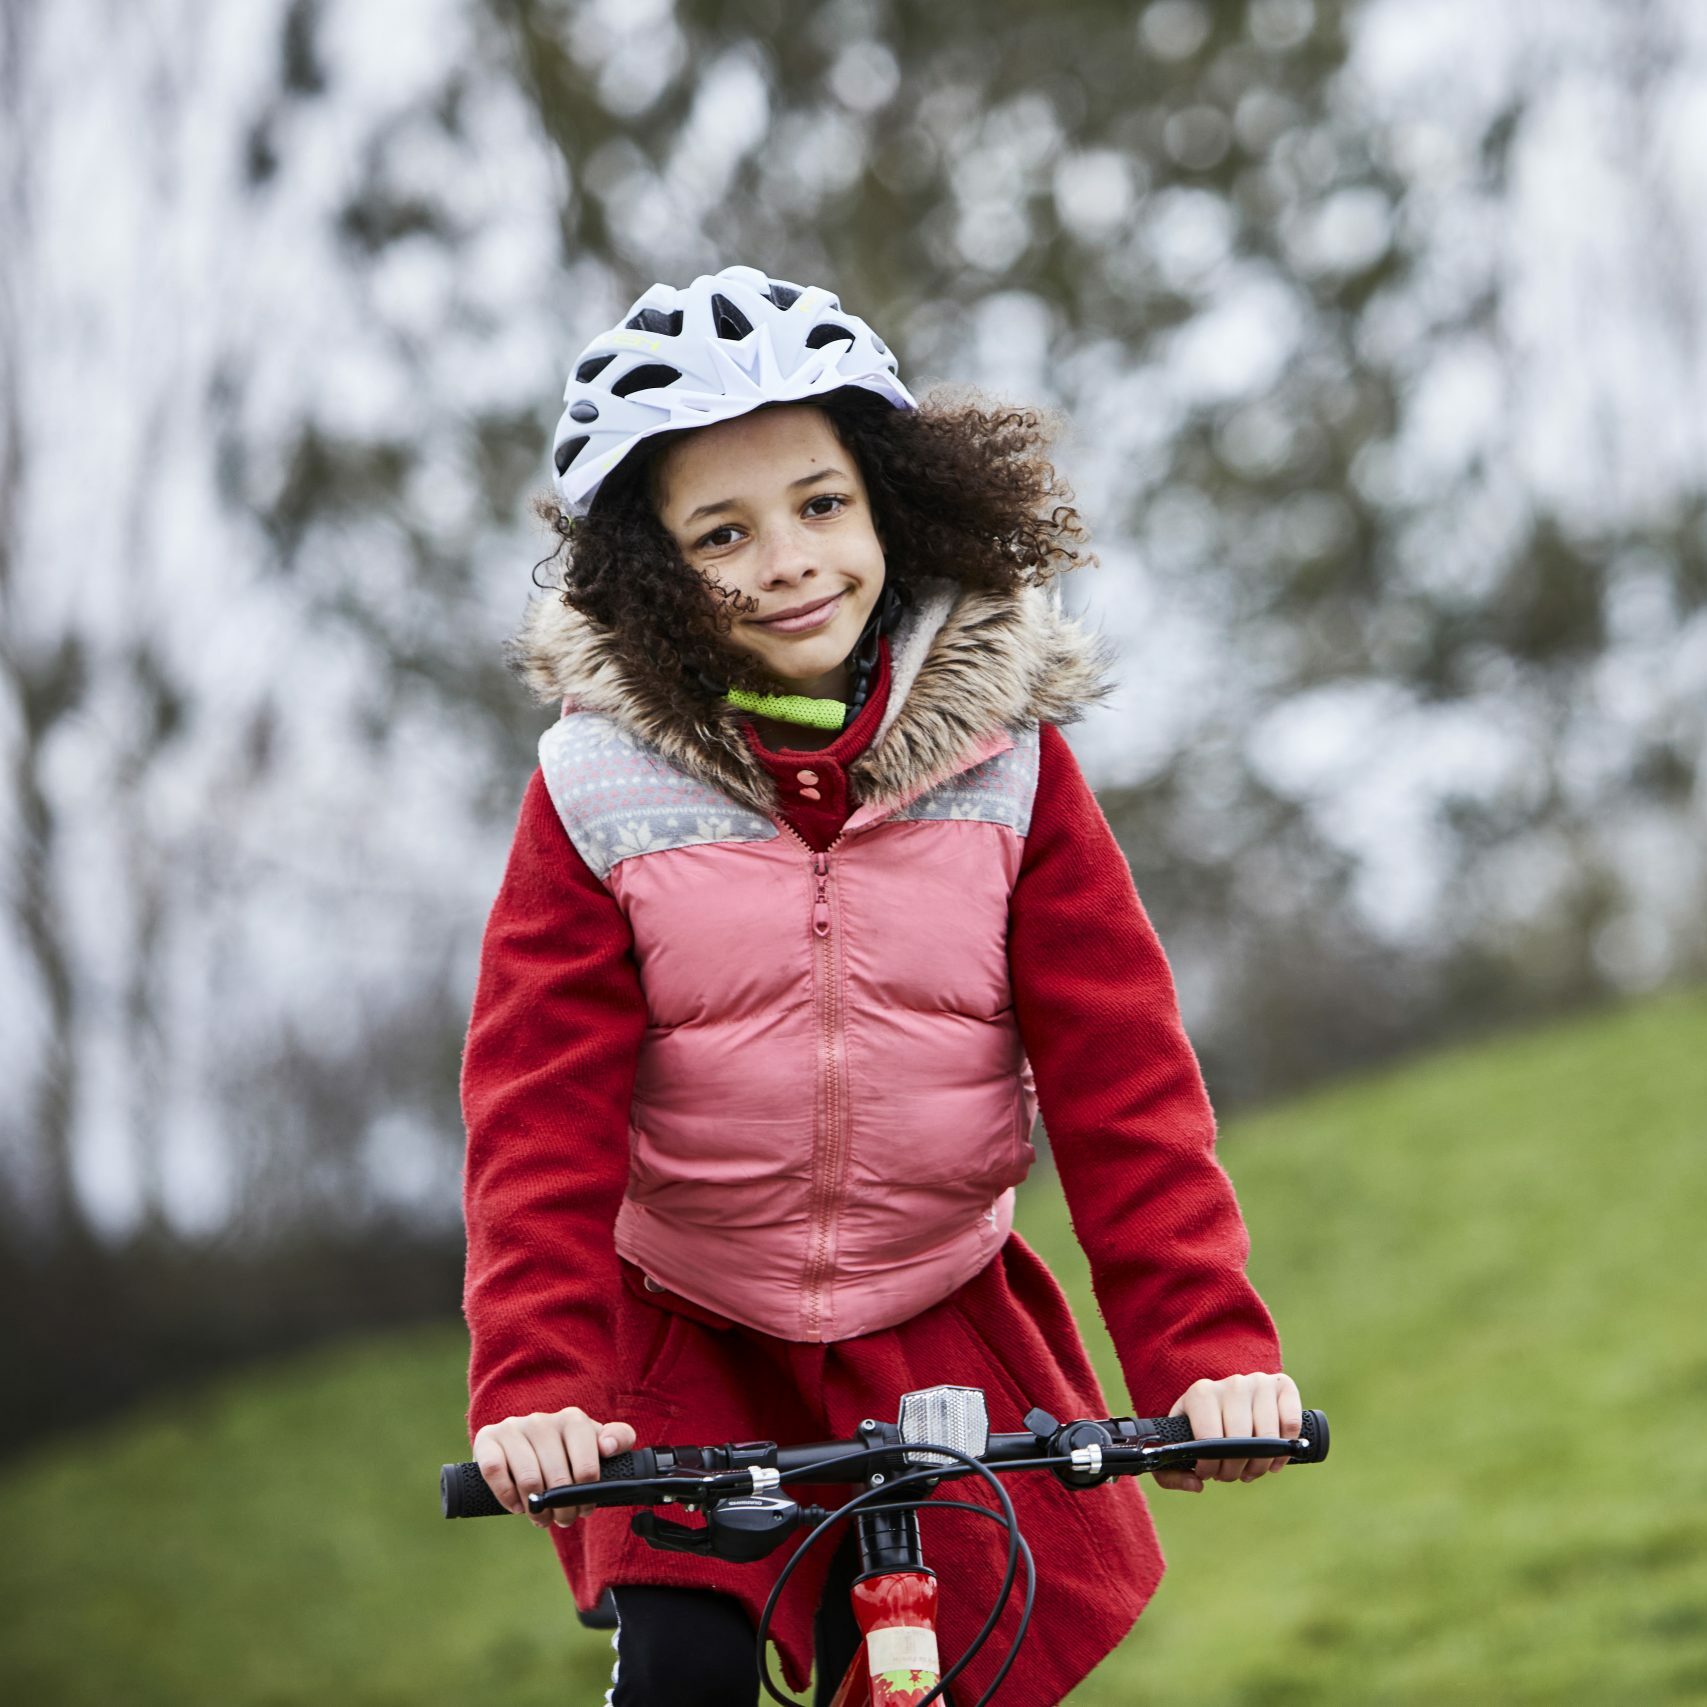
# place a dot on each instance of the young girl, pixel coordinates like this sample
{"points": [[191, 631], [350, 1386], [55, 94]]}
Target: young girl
{"points": [[809, 909]]}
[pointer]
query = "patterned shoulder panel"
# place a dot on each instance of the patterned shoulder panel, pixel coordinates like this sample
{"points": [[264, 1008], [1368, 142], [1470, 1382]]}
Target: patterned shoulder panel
{"points": [[999, 791], [617, 798]]}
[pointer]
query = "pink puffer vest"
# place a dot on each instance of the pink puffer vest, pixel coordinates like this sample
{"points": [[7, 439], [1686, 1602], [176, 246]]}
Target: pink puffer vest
{"points": [[832, 1104]]}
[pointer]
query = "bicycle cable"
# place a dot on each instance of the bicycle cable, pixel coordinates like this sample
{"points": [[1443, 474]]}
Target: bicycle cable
{"points": [[978, 1641], [882, 1496], [1001, 1600]]}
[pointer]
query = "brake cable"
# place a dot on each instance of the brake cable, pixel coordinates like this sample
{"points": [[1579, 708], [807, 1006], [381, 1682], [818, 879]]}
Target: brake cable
{"points": [[1017, 1548]]}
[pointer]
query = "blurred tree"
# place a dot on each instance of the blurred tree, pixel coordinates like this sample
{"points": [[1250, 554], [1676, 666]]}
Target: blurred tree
{"points": [[1379, 337], [1254, 288], [1139, 175]]}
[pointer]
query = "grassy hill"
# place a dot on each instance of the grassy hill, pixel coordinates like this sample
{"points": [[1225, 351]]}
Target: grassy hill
{"points": [[1488, 1268]]}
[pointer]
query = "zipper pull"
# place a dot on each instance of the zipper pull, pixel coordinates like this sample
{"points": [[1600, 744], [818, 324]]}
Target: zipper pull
{"points": [[821, 907]]}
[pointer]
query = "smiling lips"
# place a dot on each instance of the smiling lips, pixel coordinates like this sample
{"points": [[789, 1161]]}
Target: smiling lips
{"points": [[812, 617]]}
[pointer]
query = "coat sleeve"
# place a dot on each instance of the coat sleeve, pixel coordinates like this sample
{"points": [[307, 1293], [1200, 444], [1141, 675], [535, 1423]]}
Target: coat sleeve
{"points": [[1124, 1103], [547, 1079]]}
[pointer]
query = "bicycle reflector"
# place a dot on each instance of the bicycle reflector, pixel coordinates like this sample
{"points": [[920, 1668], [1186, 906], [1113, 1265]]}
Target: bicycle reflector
{"points": [[945, 1416]]}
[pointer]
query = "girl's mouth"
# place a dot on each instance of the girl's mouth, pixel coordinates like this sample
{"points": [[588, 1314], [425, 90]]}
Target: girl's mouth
{"points": [[814, 618]]}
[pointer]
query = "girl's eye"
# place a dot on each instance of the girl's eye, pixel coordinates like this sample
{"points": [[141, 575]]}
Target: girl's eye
{"points": [[726, 535]]}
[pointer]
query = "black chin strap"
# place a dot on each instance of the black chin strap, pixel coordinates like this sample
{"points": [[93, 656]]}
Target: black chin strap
{"points": [[885, 615]]}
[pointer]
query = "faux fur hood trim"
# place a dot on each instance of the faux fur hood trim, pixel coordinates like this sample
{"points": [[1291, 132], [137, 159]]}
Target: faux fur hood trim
{"points": [[961, 663]]}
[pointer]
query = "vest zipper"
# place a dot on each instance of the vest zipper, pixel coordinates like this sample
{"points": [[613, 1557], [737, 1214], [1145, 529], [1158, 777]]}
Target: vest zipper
{"points": [[830, 1153], [821, 907]]}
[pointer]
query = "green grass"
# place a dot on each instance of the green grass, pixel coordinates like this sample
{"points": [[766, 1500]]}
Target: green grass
{"points": [[1487, 1268]]}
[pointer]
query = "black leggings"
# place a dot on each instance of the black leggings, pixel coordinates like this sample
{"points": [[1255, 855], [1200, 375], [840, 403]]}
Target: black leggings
{"points": [[693, 1647]]}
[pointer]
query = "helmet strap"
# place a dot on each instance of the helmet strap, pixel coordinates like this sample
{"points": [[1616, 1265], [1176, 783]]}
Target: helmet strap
{"points": [[791, 708]]}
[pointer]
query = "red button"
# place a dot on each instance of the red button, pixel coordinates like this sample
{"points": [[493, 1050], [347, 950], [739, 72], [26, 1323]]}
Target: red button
{"points": [[810, 794], [807, 776]]}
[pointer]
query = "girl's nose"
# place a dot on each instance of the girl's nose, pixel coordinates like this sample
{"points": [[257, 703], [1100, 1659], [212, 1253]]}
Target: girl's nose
{"points": [[786, 554]]}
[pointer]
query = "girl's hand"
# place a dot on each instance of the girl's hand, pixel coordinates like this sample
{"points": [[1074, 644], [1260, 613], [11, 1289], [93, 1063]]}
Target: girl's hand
{"points": [[1235, 1405], [547, 1449]]}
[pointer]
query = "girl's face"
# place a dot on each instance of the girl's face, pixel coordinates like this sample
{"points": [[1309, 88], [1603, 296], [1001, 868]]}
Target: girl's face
{"points": [[772, 505]]}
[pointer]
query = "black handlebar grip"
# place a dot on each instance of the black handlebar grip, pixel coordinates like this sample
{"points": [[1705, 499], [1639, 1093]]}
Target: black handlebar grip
{"points": [[1174, 1431], [463, 1491], [1315, 1430], [629, 1466], [1165, 1431]]}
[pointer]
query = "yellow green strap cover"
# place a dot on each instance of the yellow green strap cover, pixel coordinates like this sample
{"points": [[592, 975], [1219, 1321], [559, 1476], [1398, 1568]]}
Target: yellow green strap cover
{"points": [[791, 708]]}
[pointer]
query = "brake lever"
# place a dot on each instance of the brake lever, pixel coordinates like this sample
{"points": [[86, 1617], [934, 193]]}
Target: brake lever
{"points": [[1189, 1451], [741, 1529], [679, 1489], [1235, 1446]]}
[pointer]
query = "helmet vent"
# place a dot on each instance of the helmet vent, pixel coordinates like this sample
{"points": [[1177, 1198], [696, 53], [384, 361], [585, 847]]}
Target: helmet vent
{"points": [[784, 296], [827, 334], [668, 322], [730, 322], [644, 378], [592, 367], [568, 451]]}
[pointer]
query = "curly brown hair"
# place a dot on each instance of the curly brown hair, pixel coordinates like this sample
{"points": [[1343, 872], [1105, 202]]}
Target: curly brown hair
{"points": [[960, 489]]}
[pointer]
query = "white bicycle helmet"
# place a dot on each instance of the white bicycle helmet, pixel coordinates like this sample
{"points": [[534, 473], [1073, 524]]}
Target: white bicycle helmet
{"points": [[685, 358]]}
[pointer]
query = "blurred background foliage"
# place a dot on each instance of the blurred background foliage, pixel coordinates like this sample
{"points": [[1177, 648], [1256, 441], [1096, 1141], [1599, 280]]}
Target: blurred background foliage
{"points": [[1375, 330]]}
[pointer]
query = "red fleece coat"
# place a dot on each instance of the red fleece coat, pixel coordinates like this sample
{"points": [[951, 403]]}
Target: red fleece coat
{"points": [[557, 1319]]}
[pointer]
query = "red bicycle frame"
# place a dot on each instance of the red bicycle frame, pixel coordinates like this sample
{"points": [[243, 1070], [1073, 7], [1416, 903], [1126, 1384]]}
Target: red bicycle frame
{"points": [[897, 1664]]}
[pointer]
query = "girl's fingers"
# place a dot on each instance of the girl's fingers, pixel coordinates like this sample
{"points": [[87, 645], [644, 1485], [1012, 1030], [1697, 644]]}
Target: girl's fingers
{"points": [[1265, 1420], [616, 1437], [1291, 1416], [608, 1439], [546, 1436], [526, 1455], [1235, 1421], [580, 1435], [495, 1470], [1186, 1481], [1235, 1407], [1201, 1405], [524, 1470], [547, 1441]]}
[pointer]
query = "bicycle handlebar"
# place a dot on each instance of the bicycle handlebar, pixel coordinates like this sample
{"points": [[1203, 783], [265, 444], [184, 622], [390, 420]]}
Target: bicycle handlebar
{"points": [[685, 1474]]}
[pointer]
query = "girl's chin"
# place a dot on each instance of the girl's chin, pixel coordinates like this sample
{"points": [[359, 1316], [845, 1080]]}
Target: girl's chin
{"points": [[812, 656]]}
